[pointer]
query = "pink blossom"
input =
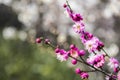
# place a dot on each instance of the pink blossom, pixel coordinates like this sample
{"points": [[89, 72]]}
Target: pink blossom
{"points": [[84, 75], [96, 60], [94, 44], [100, 45], [65, 5], [62, 55], [78, 71], [72, 46], [91, 42], [91, 45], [76, 17], [47, 41], [74, 51], [85, 36], [114, 64], [38, 40], [78, 27], [112, 77], [118, 76]]}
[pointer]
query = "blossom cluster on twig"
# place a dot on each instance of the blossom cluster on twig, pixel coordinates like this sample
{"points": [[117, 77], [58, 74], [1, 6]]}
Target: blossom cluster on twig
{"points": [[97, 59]]}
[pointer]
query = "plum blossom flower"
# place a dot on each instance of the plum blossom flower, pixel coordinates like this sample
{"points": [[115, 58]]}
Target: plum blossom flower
{"points": [[78, 27], [97, 60], [38, 40], [94, 44], [91, 42], [76, 17], [118, 76], [85, 36], [112, 77], [74, 52], [100, 45], [62, 55], [114, 64], [91, 45], [84, 75], [78, 71]]}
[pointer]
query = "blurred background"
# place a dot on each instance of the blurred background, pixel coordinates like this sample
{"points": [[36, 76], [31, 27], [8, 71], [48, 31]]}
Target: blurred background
{"points": [[21, 21]]}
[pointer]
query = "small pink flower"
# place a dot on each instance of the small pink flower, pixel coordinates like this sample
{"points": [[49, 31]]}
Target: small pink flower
{"points": [[84, 75], [76, 17], [100, 45], [38, 40], [85, 36], [99, 60], [72, 46], [91, 45], [57, 50], [114, 64], [118, 76], [112, 77], [62, 55], [96, 60], [65, 5], [78, 71], [47, 41], [91, 42], [74, 51], [78, 27]]}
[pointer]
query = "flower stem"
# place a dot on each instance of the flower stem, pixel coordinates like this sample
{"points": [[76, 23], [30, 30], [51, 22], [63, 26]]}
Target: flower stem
{"points": [[68, 5], [105, 53]]}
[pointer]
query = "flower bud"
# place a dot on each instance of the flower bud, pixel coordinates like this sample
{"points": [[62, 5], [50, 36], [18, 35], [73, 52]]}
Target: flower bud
{"points": [[47, 41], [38, 40], [72, 46], [81, 53], [65, 5], [84, 75], [57, 50], [78, 71], [74, 62]]}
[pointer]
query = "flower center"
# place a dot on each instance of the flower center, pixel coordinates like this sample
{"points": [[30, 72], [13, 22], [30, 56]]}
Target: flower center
{"points": [[78, 27], [90, 45]]}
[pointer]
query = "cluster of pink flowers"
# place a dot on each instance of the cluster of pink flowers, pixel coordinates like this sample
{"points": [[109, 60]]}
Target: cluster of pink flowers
{"points": [[91, 43], [97, 60], [82, 74], [114, 64], [63, 55]]}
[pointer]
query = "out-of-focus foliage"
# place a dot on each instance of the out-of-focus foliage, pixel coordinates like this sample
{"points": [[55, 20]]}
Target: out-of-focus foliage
{"points": [[25, 61]]}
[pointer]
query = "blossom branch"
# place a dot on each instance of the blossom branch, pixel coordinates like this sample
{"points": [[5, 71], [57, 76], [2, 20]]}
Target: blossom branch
{"points": [[91, 43], [105, 53]]}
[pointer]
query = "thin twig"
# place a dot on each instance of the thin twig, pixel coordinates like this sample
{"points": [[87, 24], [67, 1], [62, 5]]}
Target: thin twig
{"points": [[83, 61], [68, 5], [105, 53]]}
